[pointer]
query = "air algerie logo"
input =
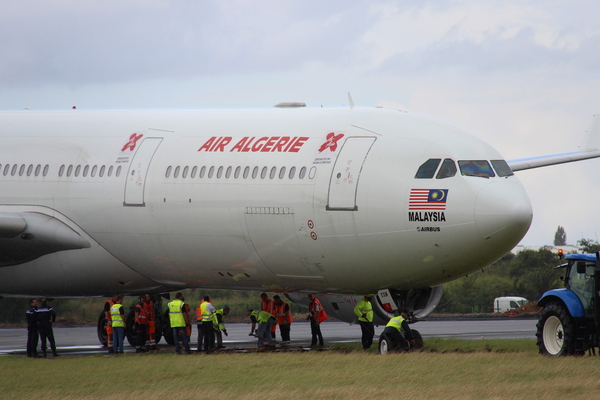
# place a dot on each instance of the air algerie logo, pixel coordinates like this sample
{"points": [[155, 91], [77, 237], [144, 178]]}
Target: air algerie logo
{"points": [[132, 141], [427, 205], [331, 142]]}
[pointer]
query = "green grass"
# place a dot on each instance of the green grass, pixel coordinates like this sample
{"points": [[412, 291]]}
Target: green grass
{"points": [[445, 369]]}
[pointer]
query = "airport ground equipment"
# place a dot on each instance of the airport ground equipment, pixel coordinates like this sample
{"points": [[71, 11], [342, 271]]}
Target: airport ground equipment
{"points": [[569, 323]]}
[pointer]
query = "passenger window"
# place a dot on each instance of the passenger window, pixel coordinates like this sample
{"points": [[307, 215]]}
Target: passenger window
{"points": [[77, 170], [219, 172], [263, 173], [479, 168], [273, 172], [246, 172], [94, 170], [211, 172], [447, 170], [86, 169], [46, 168], [118, 171], [168, 173], [110, 170], [13, 172], [176, 173], [29, 169], [254, 172], [228, 172], [70, 170], [236, 174], [427, 170], [282, 173], [502, 168], [185, 172], [102, 169], [302, 173], [61, 170], [194, 171], [37, 170], [6, 169], [292, 172], [22, 170], [202, 172]]}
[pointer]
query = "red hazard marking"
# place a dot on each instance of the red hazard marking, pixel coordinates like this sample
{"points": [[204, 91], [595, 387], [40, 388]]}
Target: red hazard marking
{"points": [[313, 236], [331, 142], [132, 141], [311, 224]]}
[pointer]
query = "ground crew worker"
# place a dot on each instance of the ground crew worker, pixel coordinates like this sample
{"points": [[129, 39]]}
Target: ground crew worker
{"points": [[219, 325], [117, 314], [316, 316], [179, 318], [394, 329], [284, 319], [45, 316], [141, 326], [32, 329], [364, 311], [151, 318], [199, 326], [109, 332], [208, 315], [268, 305], [265, 321]]}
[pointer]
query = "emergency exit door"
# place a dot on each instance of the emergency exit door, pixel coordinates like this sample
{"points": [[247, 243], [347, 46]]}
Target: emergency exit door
{"points": [[343, 184], [138, 171]]}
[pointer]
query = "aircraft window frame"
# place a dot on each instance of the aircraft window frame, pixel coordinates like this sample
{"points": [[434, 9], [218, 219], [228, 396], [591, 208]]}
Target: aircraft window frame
{"points": [[254, 172], [263, 172], [312, 173], [292, 173], [78, 170], [273, 173], [46, 169], [428, 168], [246, 172], [185, 171], [302, 173], [176, 172], [37, 170], [22, 170], [220, 172], [202, 172], [282, 173], [502, 168], [61, 170], [6, 169], [102, 170], [447, 169], [110, 170], [29, 169], [86, 169], [211, 172], [478, 171], [94, 170], [237, 172], [70, 170], [228, 172], [118, 171], [168, 171], [13, 171], [194, 172]]}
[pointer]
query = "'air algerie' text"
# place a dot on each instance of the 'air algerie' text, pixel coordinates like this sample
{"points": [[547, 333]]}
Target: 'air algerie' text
{"points": [[284, 144]]}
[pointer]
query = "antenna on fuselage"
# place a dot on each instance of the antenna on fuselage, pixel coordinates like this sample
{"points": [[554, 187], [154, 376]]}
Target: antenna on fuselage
{"points": [[351, 102]]}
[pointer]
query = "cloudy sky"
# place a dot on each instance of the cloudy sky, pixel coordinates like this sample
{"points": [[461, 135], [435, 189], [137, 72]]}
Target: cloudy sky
{"points": [[524, 76]]}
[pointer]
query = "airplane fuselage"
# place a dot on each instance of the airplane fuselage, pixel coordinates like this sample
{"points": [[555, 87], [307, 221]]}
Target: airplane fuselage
{"points": [[310, 200]]}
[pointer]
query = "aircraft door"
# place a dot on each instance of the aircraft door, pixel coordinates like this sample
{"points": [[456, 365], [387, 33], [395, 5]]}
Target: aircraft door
{"points": [[138, 170], [346, 172]]}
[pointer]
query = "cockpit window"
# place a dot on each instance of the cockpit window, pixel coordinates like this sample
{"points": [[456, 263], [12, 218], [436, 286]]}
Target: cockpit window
{"points": [[502, 168], [447, 170], [427, 170], [479, 168]]}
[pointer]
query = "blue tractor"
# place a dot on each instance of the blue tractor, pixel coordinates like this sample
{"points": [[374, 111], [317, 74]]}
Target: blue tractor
{"points": [[569, 323]]}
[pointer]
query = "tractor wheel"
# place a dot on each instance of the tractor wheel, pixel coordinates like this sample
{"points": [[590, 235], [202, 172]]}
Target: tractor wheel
{"points": [[130, 332], [555, 331], [101, 329]]}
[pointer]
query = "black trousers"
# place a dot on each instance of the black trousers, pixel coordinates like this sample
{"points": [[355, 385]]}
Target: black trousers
{"points": [[209, 335], [32, 342], [285, 332], [315, 330], [47, 333], [368, 331], [396, 337]]}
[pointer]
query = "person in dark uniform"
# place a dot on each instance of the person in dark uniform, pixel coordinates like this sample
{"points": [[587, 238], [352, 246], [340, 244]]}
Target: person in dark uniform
{"points": [[45, 316], [399, 332], [32, 329]]}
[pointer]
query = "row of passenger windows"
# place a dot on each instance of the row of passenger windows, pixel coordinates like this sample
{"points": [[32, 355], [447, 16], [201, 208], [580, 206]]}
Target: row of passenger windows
{"points": [[228, 172], [24, 169], [77, 170], [479, 168]]}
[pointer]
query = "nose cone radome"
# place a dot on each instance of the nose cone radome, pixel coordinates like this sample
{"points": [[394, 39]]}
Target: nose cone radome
{"points": [[503, 212]]}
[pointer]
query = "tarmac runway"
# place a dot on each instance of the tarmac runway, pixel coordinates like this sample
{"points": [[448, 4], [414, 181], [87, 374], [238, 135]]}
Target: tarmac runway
{"points": [[83, 340]]}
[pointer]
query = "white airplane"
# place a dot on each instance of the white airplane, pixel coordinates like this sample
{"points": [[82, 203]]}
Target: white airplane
{"points": [[340, 202]]}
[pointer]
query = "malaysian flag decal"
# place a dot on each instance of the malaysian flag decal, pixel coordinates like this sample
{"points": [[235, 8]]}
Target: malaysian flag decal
{"points": [[428, 199]]}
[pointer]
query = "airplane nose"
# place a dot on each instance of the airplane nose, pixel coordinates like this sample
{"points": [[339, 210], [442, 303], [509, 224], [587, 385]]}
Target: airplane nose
{"points": [[503, 211]]}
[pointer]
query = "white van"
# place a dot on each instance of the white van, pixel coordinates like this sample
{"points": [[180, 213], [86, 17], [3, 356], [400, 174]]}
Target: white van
{"points": [[504, 304]]}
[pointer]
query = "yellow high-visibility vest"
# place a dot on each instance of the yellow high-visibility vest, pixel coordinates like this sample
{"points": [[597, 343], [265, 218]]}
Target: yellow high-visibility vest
{"points": [[115, 314]]}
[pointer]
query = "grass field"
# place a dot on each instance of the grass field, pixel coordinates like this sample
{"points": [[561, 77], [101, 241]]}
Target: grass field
{"points": [[446, 369]]}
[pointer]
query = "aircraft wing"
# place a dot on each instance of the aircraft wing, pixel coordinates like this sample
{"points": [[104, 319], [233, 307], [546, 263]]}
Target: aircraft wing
{"points": [[590, 149]]}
